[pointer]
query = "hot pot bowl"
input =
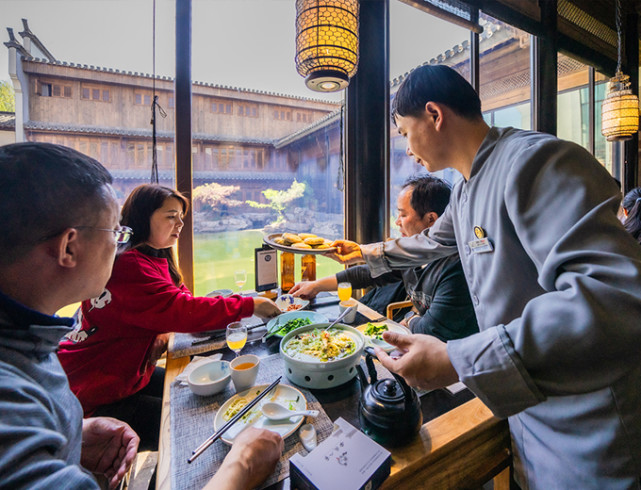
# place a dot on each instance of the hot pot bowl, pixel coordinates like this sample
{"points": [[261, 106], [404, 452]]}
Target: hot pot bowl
{"points": [[315, 373]]}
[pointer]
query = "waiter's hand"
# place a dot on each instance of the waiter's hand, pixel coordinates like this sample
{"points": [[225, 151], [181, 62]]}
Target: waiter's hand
{"points": [[347, 252], [424, 363], [265, 308]]}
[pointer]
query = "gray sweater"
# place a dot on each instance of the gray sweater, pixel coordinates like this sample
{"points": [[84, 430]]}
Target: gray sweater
{"points": [[40, 418]]}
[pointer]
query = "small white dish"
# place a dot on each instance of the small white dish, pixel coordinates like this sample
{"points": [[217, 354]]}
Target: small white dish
{"points": [[287, 302], [209, 378], [392, 326]]}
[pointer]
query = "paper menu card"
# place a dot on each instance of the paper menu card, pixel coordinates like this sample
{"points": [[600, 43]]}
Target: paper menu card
{"points": [[347, 459]]}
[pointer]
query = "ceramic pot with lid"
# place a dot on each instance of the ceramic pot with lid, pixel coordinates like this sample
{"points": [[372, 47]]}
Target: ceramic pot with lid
{"points": [[389, 410], [313, 373]]}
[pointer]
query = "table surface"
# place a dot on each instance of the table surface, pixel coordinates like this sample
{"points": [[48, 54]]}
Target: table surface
{"points": [[448, 419]]}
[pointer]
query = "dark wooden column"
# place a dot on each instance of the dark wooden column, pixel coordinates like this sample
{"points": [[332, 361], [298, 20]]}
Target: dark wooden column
{"points": [[367, 130], [631, 67], [475, 50], [183, 135], [544, 70]]}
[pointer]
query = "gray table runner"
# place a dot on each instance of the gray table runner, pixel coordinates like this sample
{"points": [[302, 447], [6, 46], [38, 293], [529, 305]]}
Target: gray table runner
{"points": [[192, 421]]}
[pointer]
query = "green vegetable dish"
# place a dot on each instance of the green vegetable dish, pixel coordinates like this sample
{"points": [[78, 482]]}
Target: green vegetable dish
{"points": [[293, 324], [375, 331]]}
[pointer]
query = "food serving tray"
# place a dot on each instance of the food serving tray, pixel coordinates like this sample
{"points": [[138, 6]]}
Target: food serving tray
{"points": [[269, 240]]}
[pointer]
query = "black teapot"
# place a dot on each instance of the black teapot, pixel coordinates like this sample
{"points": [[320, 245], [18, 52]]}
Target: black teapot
{"points": [[389, 410]]}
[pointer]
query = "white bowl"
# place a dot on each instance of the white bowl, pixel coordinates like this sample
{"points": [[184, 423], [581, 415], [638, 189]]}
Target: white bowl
{"points": [[209, 378]]}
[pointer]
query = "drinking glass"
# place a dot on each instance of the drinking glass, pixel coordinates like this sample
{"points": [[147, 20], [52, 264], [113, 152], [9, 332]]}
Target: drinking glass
{"points": [[236, 336], [344, 290], [240, 277]]}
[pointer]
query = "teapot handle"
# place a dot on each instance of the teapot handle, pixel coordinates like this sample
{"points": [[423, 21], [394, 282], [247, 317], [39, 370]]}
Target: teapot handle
{"points": [[407, 391]]}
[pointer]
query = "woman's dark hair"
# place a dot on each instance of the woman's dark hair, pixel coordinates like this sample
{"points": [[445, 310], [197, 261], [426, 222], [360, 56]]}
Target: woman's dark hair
{"points": [[436, 83], [136, 213], [632, 205], [429, 194]]}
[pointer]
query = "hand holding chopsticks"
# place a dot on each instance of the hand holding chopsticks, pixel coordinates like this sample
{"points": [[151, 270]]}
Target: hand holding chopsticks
{"points": [[216, 435]]}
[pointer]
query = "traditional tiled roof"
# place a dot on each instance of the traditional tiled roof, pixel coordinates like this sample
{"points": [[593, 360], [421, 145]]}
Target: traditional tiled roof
{"points": [[139, 174], [167, 78], [7, 121], [490, 27], [34, 39], [253, 175], [316, 125], [139, 133]]}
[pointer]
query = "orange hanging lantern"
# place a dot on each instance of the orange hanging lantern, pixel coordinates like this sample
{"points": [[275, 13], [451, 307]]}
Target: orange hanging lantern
{"points": [[326, 43], [620, 109]]}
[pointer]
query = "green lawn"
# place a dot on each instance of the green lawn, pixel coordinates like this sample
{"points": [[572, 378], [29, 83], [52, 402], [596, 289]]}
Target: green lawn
{"points": [[218, 255]]}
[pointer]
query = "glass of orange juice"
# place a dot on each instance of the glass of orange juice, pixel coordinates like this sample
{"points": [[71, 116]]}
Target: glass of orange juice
{"points": [[236, 336], [344, 291]]}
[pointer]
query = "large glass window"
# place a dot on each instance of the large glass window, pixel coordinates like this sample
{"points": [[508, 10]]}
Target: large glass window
{"points": [[267, 153], [505, 74], [417, 38], [574, 108]]}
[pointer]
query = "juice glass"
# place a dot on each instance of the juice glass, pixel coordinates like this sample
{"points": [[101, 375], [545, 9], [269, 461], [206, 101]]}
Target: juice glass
{"points": [[344, 291], [236, 336]]}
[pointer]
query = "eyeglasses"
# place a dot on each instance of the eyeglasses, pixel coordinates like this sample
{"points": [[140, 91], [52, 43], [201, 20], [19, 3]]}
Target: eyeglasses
{"points": [[123, 234]]}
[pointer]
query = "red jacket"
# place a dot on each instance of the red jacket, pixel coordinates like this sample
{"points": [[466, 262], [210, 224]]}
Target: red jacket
{"points": [[106, 360]]}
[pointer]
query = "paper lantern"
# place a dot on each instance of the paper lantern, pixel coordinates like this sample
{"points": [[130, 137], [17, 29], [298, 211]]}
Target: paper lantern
{"points": [[620, 110], [326, 42]]}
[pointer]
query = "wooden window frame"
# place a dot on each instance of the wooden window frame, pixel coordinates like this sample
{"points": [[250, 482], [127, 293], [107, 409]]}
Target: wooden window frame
{"points": [[61, 87], [96, 92]]}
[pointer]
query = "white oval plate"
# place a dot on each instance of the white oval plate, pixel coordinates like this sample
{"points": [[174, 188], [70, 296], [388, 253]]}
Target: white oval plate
{"points": [[283, 394], [392, 326], [284, 301]]}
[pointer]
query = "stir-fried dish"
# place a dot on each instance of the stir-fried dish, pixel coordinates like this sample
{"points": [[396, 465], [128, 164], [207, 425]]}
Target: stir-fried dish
{"points": [[375, 331], [321, 345], [293, 324]]}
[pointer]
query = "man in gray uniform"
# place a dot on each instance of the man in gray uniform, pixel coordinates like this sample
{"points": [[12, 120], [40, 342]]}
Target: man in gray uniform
{"points": [[554, 278]]}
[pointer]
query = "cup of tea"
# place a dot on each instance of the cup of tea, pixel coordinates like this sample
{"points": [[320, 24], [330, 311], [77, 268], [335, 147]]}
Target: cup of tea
{"points": [[244, 370], [351, 316]]}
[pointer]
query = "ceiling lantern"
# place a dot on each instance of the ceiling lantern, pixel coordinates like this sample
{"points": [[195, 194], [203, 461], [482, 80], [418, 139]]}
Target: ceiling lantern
{"points": [[326, 43], [620, 109]]}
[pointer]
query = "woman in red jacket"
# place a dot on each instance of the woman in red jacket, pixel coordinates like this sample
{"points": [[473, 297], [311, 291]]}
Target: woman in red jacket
{"points": [[110, 360]]}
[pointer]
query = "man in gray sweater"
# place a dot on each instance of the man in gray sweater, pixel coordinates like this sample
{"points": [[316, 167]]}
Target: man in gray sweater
{"points": [[57, 246]]}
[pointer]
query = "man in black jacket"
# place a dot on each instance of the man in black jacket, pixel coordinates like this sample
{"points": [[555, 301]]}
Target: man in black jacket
{"points": [[442, 304]]}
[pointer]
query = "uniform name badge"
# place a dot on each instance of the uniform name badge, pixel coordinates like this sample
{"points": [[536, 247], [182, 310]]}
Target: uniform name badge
{"points": [[482, 245]]}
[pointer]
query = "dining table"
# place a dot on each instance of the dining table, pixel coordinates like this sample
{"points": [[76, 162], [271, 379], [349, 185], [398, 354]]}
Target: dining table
{"points": [[459, 445]]}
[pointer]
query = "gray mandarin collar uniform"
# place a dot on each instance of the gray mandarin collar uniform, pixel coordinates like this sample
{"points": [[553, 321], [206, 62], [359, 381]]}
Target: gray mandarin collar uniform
{"points": [[558, 304]]}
